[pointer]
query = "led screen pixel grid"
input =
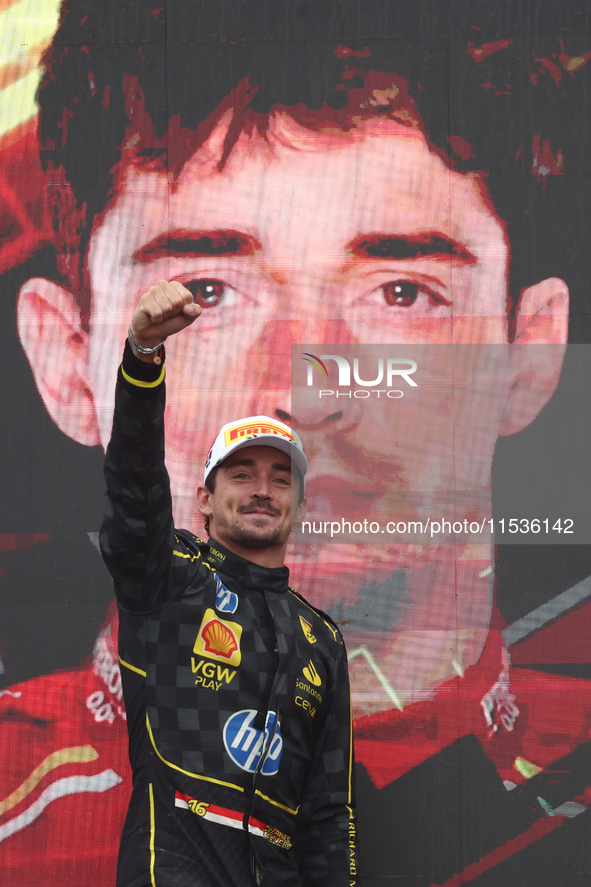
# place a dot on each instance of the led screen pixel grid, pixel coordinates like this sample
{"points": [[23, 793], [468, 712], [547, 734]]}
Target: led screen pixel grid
{"points": [[347, 203]]}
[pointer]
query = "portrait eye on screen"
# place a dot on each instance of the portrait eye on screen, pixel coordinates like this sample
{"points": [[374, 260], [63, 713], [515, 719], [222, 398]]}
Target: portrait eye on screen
{"points": [[381, 210]]}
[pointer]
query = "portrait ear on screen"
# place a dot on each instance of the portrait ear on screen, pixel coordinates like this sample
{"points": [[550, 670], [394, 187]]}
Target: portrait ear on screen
{"points": [[56, 345], [541, 320]]}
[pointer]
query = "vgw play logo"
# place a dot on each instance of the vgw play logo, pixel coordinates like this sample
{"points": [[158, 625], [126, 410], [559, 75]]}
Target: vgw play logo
{"points": [[391, 370]]}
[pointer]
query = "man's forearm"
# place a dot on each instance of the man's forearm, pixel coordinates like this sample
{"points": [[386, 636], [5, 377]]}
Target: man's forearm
{"points": [[137, 532]]}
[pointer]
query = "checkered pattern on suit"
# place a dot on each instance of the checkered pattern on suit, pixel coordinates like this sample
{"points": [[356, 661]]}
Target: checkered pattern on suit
{"points": [[295, 805]]}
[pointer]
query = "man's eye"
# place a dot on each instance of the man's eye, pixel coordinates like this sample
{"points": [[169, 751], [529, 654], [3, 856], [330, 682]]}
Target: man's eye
{"points": [[402, 293], [207, 293]]}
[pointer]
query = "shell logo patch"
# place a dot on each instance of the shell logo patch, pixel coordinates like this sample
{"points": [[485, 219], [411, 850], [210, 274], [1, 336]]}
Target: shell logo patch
{"points": [[218, 639], [307, 629]]}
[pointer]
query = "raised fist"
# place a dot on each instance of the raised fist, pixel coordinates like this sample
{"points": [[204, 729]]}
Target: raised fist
{"points": [[166, 309]]}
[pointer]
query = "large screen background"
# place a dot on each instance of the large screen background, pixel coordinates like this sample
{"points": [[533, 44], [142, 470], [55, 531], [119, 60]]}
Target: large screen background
{"points": [[437, 806]]}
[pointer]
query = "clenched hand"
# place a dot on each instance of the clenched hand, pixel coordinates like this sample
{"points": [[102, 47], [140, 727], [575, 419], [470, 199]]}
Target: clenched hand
{"points": [[165, 309]]}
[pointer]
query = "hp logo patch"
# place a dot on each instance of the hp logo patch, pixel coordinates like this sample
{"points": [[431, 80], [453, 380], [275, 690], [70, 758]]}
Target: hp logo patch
{"points": [[245, 744], [226, 601]]}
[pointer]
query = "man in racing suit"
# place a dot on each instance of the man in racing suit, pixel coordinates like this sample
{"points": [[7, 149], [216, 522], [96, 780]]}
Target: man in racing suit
{"points": [[236, 690]]}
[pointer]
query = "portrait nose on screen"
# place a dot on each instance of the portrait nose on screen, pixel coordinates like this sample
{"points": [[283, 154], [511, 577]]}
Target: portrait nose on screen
{"points": [[271, 362]]}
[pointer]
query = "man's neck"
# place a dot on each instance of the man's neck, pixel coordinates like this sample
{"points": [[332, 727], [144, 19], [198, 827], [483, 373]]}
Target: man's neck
{"points": [[272, 556]]}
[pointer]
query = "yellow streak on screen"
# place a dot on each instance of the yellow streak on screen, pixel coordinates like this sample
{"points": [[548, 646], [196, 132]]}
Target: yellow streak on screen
{"points": [[26, 28]]}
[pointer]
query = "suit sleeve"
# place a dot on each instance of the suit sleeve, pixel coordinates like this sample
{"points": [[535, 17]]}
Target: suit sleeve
{"points": [[137, 534], [327, 825]]}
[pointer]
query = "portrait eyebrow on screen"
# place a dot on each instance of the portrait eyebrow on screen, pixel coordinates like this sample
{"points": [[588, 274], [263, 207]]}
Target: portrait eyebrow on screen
{"points": [[427, 245], [183, 243]]}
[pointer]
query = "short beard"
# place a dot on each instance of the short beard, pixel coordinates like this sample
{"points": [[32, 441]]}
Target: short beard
{"points": [[251, 539]]}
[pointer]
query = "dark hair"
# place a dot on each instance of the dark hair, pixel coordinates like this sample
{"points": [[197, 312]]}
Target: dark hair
{"points": [[210, 485], [511, 102]]}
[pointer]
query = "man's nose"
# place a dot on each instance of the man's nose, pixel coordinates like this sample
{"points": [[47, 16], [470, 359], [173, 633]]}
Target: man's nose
{"points": [[261, 490], [270, 362]]}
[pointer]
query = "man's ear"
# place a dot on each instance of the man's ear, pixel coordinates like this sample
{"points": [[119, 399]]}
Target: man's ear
{"points": [[203, 497], [56, 345], [537, 352]]}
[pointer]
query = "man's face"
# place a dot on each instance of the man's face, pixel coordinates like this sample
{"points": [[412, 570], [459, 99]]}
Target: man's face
{"points": [[251, 505]]}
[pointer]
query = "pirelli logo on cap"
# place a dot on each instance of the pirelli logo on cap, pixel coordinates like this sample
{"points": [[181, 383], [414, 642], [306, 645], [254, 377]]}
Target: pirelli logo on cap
{"points": [[250, 429], [219, 639]]}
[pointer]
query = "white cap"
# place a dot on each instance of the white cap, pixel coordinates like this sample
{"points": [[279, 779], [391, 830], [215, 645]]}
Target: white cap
{"points": [[256, 431]]}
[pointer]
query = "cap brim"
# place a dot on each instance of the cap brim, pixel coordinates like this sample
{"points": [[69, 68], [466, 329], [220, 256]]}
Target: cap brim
{"points": [[297, 457]]}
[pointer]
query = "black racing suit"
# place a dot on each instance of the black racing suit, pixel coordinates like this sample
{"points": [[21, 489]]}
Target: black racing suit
{"points": [[236, 690]]}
